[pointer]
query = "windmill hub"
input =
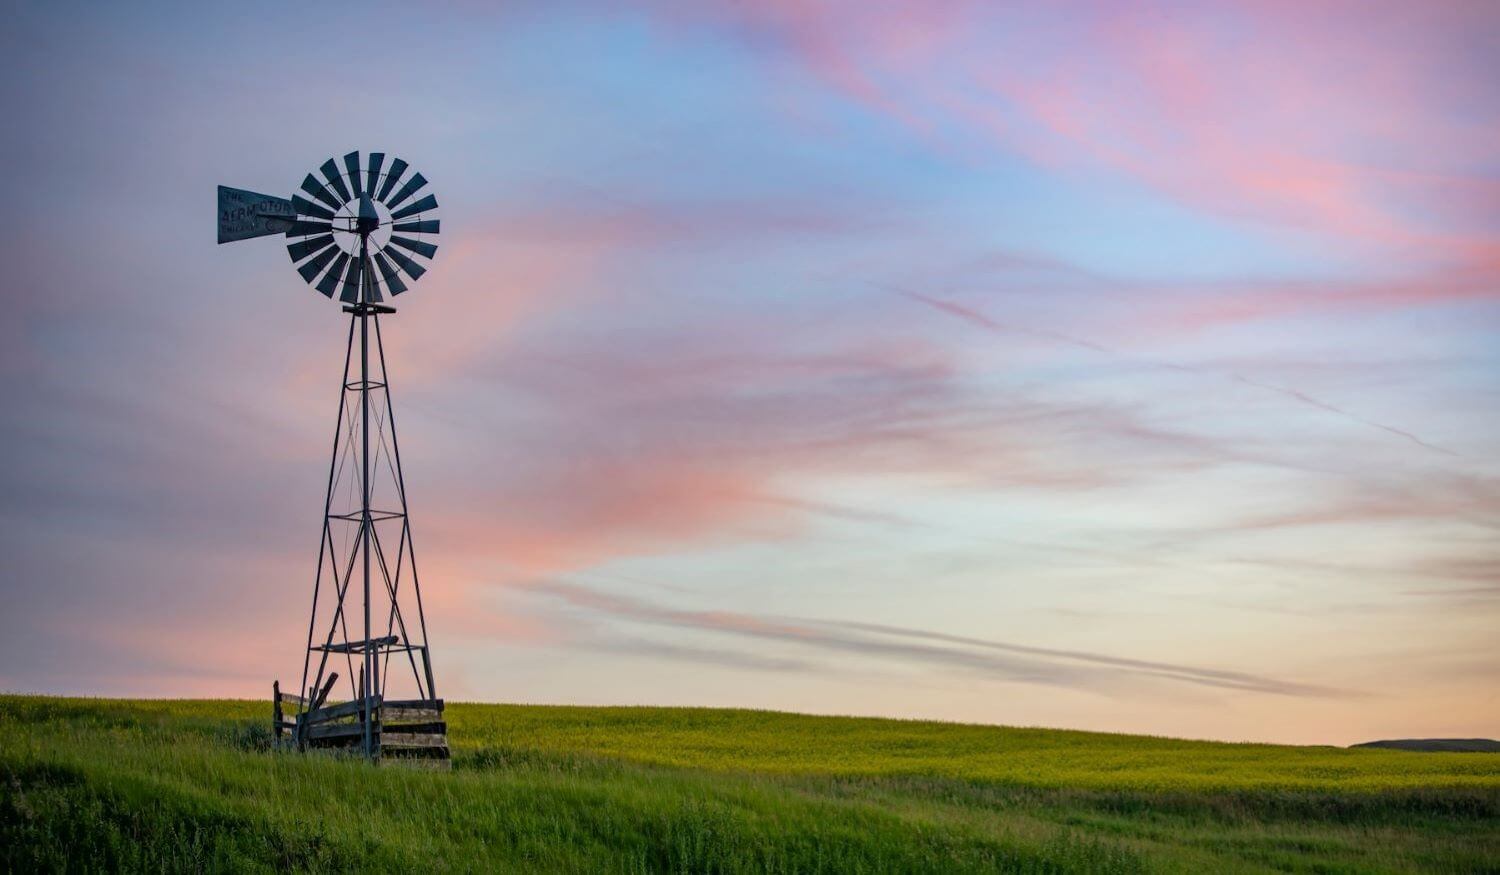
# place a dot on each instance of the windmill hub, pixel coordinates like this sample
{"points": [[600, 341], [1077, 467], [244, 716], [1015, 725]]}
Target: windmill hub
{"points": [[368, 219], [362, 220], [362, 232]]}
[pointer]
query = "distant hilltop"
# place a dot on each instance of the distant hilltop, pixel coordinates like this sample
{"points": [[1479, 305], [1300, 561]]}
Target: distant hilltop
{"points": [[1438, 745]]}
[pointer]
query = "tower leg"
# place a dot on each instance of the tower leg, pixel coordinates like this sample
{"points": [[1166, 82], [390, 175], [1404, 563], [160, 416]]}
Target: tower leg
{"points": [[364, 481]]}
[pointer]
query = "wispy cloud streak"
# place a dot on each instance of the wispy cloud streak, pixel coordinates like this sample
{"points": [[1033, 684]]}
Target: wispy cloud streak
{"points": [[1066, 668], [975, 317], [1190, 674]]}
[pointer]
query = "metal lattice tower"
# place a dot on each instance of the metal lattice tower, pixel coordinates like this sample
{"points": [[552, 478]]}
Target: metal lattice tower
{"points": [[367, 615]]}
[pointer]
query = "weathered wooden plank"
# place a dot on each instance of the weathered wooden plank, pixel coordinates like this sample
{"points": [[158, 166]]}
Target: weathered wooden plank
{"points": [[322, 695], [358, 646], [434, 704], [412, 739], [409, 715], [334, 712], [436, 727], [292, 698], [427, 667], [317, 702], [338, 730]]}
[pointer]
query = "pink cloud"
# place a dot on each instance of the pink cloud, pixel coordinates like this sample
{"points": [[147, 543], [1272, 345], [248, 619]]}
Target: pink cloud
{"points": [[667, 446], [517, 263], [1376, 134]]}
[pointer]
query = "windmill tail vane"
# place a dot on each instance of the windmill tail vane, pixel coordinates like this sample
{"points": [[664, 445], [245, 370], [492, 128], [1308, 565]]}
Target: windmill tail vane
{"points": [[359, 231]]}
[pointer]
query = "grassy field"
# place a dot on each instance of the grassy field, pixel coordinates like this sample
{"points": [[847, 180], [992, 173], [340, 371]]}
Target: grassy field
{"points": [[92, 784]]}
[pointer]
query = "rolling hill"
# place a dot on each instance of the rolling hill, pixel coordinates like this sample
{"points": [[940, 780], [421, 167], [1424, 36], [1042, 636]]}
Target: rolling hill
{"points": [[1438, 745]]}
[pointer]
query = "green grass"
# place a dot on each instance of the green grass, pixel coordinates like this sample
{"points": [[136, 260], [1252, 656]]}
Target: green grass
{"points": [[92, 784]]}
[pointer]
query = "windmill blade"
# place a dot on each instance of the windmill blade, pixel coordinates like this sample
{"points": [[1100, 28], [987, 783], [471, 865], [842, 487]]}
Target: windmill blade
{"points": [[304, 248], [350, 294], [398, 167], [351, 164], [426, 204], [312, 186], [312, 268], [392, 279], [376, 159], [426, 226], [407, 190], [302, 228], [331, 173], [305, 207], [412, 269], [370, 282], [426, 250], [331, 279]]}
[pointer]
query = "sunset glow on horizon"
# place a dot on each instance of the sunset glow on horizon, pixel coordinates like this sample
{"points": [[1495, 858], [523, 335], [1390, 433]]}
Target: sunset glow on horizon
{"points": [[1035, 364]]}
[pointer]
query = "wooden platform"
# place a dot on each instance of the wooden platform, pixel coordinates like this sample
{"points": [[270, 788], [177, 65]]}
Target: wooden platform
{"points": [[405, 731]]}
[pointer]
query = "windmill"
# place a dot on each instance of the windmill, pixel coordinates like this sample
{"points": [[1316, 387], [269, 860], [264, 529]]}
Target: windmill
{"points": [[359, 232]]}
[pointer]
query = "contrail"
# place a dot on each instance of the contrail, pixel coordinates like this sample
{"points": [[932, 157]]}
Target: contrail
{"points": [[978, 318], [1324, 405]]}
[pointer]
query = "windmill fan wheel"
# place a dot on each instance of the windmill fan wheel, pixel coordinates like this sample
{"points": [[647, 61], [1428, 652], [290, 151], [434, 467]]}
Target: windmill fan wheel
{"points": [[363, 231]]}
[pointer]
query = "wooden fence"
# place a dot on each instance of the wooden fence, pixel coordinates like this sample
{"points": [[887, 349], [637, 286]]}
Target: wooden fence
{"points": [[410, 731]]}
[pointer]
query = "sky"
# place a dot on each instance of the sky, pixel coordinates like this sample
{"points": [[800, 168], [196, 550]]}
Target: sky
{"points": [[1127, 367]]}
